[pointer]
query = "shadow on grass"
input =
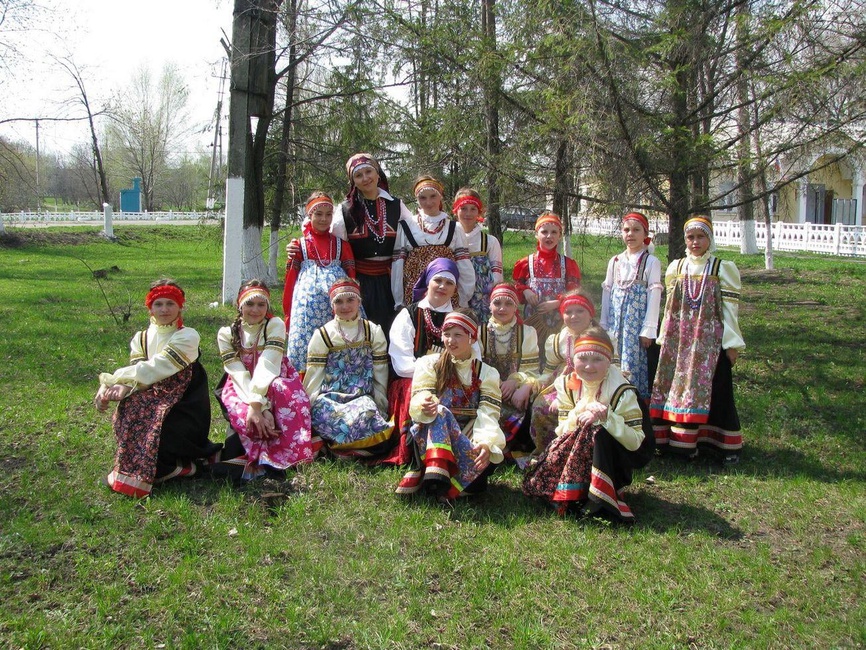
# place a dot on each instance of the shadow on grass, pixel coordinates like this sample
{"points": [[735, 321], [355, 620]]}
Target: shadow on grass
{"points": [[663, 516]]}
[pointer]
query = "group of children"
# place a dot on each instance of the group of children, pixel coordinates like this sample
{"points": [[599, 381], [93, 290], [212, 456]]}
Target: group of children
{"points": [[452, 382]]}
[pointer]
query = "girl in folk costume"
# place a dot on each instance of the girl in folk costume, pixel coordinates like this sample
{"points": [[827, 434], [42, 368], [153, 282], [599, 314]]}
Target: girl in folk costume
{"points": [[455, 434], [430, 234], [369, 219], [417, 330], [543, 276], [163, 413], [512, 348], [485, 252], [578, 314], [261, 393], [314, 264], [632, 293], [700, 339], [347, 379], [603, 436]]}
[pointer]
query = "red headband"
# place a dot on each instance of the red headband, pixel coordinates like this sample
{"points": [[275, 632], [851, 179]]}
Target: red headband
{"points": [[593, 345], [456, 319], [577, 299], [642, 220], [548, 217], [344, 287], [164, 291], [318, 200], [468, 199], [505, 291]]}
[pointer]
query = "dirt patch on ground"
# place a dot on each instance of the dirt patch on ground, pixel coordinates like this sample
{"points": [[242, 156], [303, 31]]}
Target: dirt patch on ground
{"points": [[776, 276], [21, 238]]}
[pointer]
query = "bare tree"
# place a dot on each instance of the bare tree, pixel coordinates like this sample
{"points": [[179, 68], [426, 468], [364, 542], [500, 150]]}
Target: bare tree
{"points": [[149, 120]]}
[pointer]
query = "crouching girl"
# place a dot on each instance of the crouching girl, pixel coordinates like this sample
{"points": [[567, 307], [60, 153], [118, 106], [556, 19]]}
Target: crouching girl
{"points": [[347, 379], [163, 412], [603, 436], [261, 393], [455, 408]]}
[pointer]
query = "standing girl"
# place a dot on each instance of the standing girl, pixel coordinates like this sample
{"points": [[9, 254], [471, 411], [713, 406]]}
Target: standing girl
{"points": [[261, 394], [163, 413], [578, 314], [417, 330], [368, 219], [315, 263], [693, 392], [421, 240], [347, 379], [512, 348], [455, 434], [601, 440], [543, 276], [485, 252], [631, 296]]}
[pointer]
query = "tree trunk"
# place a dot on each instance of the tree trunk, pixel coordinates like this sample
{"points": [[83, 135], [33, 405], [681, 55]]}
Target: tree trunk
{"points": [[285, 144], [748, 240], [492, 84]]}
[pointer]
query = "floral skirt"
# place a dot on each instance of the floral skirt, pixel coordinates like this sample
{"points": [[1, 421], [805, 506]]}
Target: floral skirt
{"points": [[544, 419], [443, 458], [160, 431], [585, 470], [291, 410]]}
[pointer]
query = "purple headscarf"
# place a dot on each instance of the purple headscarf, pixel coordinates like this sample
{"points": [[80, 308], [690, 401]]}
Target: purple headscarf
{"points": [[437, 266]]}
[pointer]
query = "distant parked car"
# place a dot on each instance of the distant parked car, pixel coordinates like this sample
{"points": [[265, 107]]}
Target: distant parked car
{"points": [[517, 218]]}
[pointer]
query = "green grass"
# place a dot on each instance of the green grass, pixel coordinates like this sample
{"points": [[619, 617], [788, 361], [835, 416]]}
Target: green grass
{"points": [[769, 553]]}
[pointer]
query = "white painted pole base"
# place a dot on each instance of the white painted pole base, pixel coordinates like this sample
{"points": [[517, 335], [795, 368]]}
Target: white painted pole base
{"points": [[233, 239]]}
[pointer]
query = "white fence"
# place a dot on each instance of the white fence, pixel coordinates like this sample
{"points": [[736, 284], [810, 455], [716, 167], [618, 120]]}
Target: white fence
{"points": [[834, 239], [95, 218]]}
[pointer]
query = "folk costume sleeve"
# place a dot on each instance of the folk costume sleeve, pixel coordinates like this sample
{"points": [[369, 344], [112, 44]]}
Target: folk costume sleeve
{"points": [[293, 267], [402, 247], [654, 287], [624, 420], [380, 368], [520, 275], [233, 365], [423, 385], [606, 286], [729, 280], [402, 346], [169, 351], [527, 373], [494, 254], [572, 274], [466, 283], [485, 428], [270, 360], [317, 358]]}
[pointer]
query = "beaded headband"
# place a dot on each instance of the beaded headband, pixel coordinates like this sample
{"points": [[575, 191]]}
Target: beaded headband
{"points": [[467, 199], [587, 345], [249, 293], [699, 223], [164, 291], [428, 184], [505, 291], [343, 288], [360, 160], [548, 217], [464, 322], [316, 201], [576, 299]]}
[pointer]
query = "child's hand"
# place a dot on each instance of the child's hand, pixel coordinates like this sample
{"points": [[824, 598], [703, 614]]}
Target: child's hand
{"points": [[531, 297], [293, 248], [507, 388], [645, 342], [101, 401], [270, 426], [430, 406], [732, 355], [595, 413], [521, 396], [117, 392], [482, 460]]}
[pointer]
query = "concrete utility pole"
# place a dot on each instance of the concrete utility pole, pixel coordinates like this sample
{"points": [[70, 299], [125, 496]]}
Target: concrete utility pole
{"points": [[251, 99]]}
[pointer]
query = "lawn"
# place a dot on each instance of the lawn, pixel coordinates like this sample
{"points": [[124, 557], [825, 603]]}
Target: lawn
{"points": [[770, 553]]}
